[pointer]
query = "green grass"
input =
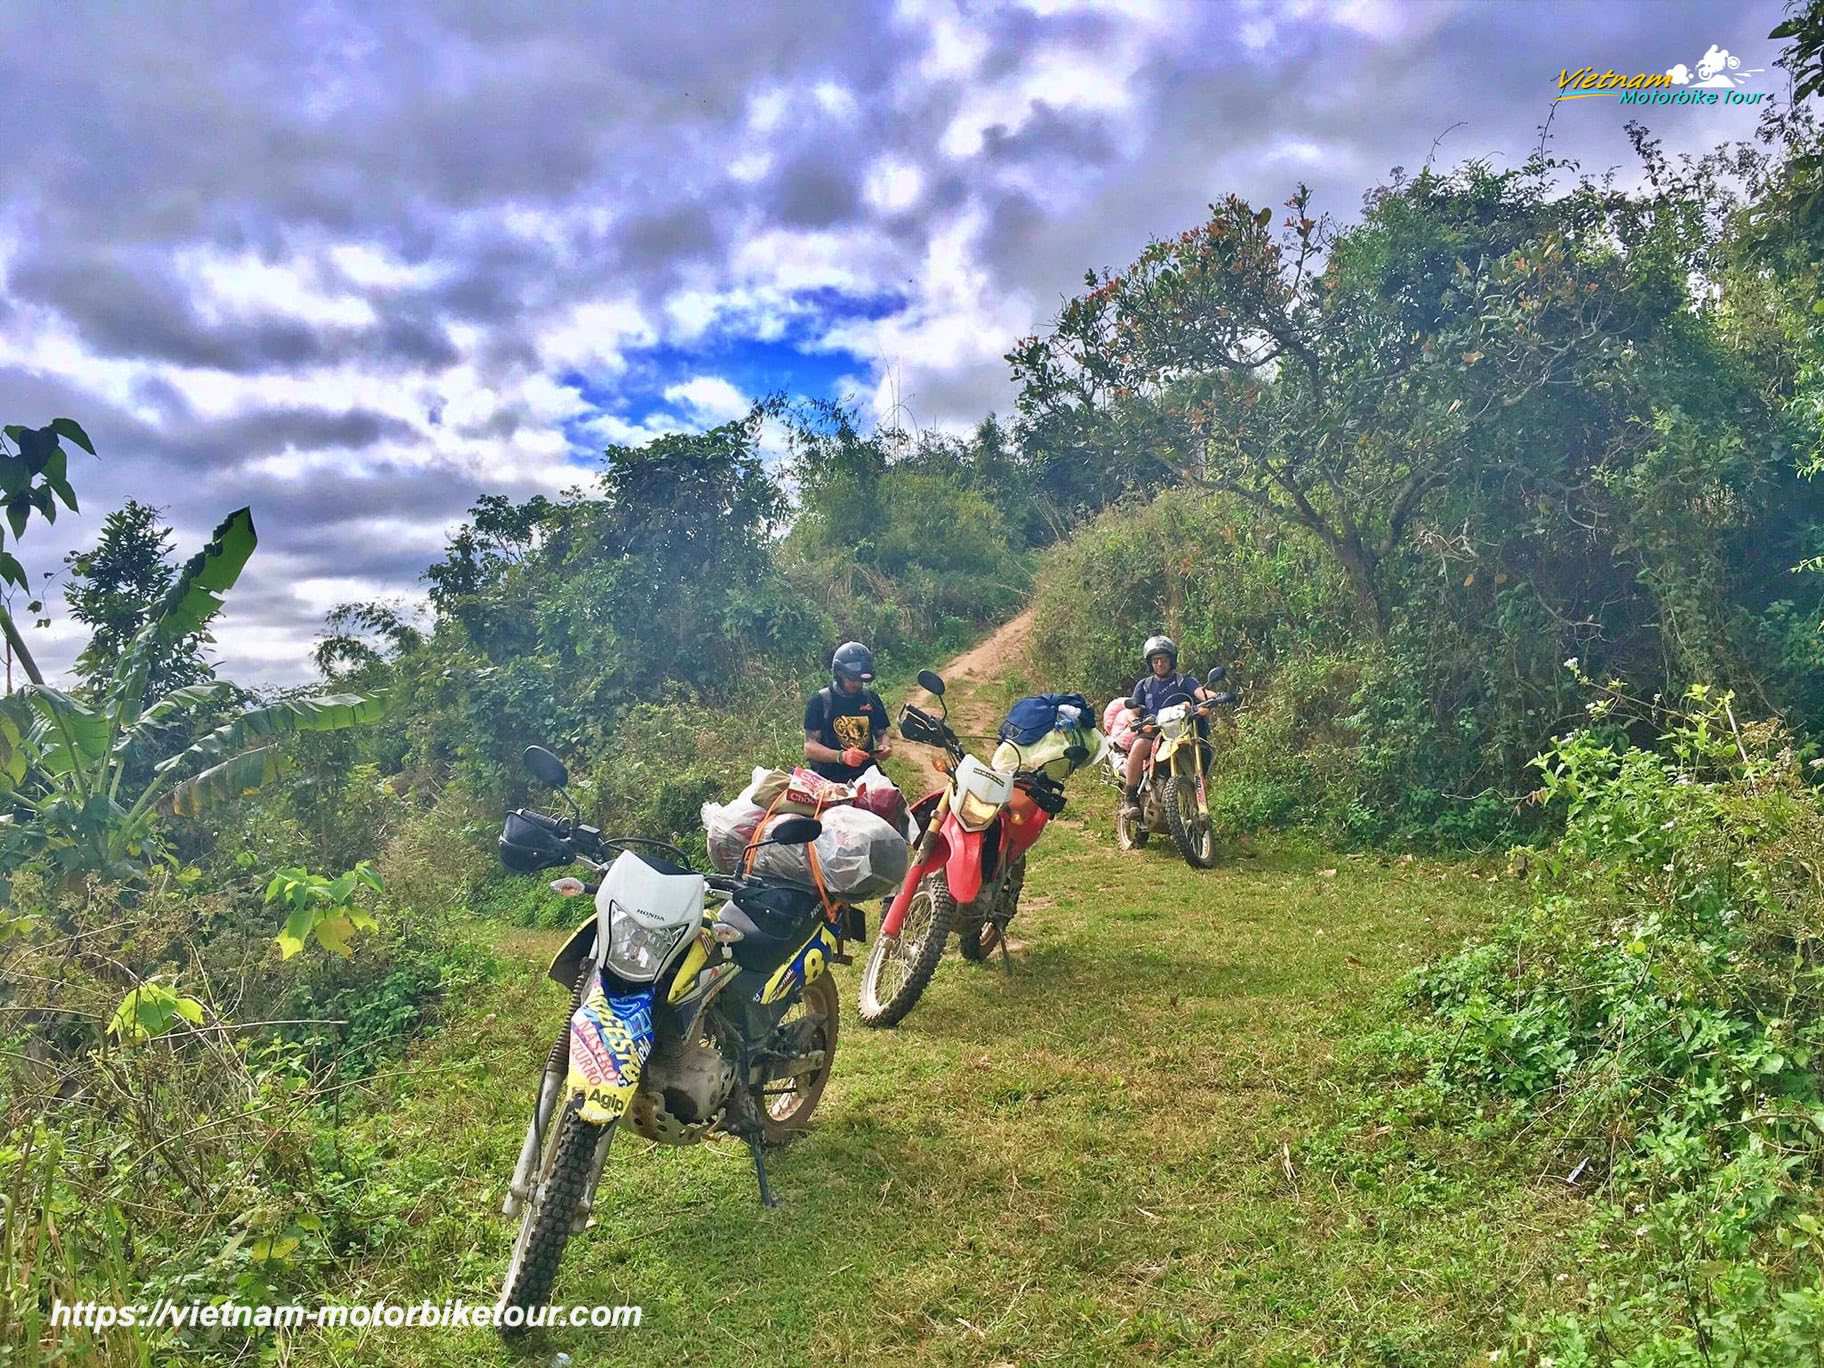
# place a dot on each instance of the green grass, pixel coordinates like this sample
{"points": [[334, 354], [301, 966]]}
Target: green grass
{"points": [[1139, 1148]]}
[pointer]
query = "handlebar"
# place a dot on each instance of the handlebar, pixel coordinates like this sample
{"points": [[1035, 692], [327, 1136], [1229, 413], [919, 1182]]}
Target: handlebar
{"points": [[1149, 722], [595, 848], [934, 727]]}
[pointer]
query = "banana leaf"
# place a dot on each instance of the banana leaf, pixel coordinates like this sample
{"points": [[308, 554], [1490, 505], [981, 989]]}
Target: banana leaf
{"points": [[332, 712], [193, 600], [65, 734], [167, 708], [13, 758], [233, 778], [197, 595]]}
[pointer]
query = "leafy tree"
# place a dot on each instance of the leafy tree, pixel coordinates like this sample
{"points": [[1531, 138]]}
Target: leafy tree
{"points": [[552, 615], [359, 639], [1803, 58], [1336, 380], [115, 585], [67, 762]]}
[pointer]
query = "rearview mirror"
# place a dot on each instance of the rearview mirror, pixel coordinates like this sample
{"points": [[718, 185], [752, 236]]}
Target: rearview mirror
{"points": [[546, 767], [796, 831], [931, 682], [1217, 675]]}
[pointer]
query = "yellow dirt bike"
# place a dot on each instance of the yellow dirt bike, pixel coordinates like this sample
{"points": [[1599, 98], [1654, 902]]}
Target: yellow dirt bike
{"points": [[1174, 788], [684, 1023]]}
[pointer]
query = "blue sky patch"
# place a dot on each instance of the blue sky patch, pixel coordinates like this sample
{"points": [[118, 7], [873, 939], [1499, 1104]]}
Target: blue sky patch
{"points": [[757, 368]]}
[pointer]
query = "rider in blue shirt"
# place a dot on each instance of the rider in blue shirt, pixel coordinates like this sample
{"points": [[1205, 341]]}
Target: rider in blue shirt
{"points": [[1160, 688]]}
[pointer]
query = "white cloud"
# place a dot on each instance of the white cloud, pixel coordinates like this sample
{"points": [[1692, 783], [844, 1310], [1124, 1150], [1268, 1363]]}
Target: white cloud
{"points": [[1064, 78], [1388, 22], [593, 334], [892, 185], [369, 265], [958, 323], [244, 284], [767, 108], [957, 45], [709, 400], [835, 100], [751, 167]]}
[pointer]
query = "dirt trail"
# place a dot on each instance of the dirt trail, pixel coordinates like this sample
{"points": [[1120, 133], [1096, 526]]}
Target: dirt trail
{"points": [[988, 660]]}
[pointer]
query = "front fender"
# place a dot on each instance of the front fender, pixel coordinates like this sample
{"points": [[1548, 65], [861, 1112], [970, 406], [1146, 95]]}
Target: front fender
{"points": [[935, 856], [610, 1038], [963, 870]]}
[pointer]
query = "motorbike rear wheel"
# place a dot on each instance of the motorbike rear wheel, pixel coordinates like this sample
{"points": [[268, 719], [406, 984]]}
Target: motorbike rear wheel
{"points": [[1191, 831], [898, 970], [1130, 832], [544, 1230], [785, 1104]]}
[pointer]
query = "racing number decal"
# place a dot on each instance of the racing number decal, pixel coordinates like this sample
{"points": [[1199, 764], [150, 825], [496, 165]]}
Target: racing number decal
{"points": [[803, 968]]}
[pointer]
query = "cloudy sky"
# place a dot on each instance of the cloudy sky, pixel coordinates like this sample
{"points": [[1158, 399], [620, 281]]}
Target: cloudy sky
{"points": [[357, 264]]}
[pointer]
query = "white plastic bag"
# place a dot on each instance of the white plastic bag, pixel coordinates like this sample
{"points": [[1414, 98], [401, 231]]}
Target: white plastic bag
{"points": [[860, 855], [729, 828]]}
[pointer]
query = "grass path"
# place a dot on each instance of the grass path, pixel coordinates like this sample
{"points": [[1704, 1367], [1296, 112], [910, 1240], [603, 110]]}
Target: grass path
{"points": [[1125, 1153]]}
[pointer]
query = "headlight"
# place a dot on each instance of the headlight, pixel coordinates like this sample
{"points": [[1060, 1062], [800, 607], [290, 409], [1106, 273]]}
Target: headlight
{"points": [[975, 813], [638, 952]]}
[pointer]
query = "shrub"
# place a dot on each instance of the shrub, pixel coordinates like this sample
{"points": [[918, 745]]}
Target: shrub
{"points": [[1652, 1020]]}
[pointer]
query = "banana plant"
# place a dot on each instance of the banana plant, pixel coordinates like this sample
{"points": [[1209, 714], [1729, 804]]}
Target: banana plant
{"points": [[65, 760]]}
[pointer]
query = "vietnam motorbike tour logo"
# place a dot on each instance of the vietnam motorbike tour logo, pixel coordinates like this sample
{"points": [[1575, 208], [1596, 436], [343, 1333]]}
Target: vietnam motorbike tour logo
{"points": [[1717, 78]]}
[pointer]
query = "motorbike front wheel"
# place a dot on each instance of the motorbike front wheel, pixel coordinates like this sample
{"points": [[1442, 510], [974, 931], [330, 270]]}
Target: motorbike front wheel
{"points": [[898, 970], [544, 1230], [1191, 830]]}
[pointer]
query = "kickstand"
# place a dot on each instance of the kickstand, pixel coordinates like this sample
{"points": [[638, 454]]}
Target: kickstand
{"points": [[748, 1127], [758, 1151], [1006, 959]]}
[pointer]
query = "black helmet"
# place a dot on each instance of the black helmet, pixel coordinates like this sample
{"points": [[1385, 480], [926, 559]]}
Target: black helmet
{"points": [[852, 661], [1156, 644]]}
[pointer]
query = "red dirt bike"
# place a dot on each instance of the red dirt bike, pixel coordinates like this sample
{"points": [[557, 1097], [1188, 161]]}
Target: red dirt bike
{"points": [[967, 867]]}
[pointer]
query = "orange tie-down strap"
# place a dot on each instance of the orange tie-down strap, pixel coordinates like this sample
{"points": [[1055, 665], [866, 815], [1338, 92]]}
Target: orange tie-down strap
{"points": [[831, 909]]}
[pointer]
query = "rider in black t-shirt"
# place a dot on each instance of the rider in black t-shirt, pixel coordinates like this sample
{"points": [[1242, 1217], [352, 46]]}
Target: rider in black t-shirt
{"points": [[845, 725]]}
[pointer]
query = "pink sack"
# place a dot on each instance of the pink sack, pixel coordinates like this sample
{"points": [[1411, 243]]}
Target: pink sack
{"points": [[1116, 725], [879, 795]]}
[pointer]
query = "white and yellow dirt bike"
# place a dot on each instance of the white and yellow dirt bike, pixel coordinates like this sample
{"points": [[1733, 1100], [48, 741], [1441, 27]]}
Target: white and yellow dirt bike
{"points": [[1174, 787], [684, 1022]]}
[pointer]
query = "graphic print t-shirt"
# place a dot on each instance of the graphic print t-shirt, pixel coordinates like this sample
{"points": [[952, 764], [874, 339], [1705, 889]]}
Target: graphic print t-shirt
{"points": [[851, 720]]}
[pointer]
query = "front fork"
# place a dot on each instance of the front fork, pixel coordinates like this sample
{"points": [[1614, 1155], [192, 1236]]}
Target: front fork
{"points": [[1195, 751], [917, 866], [550, 1092], [615, 1036]]}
